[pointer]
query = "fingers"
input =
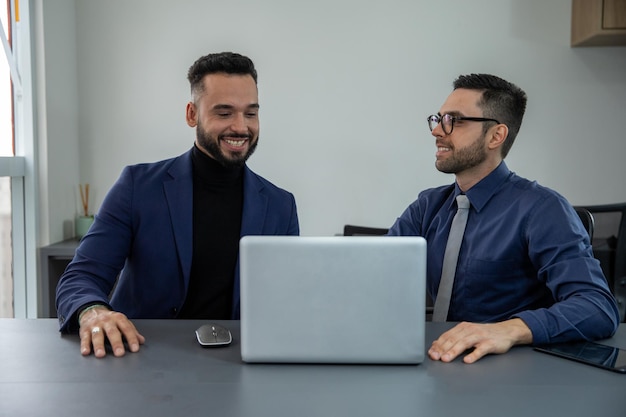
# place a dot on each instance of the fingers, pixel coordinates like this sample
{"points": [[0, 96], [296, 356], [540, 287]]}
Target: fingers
{"points": [[115, 339], [452, 343], [97, 340], [92, 335], [128, 332], [484, 339], [98, 327], [85, 341], [476, 354]]}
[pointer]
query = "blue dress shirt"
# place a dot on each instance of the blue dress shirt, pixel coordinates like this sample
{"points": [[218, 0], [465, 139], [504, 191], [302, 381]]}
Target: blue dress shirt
{"points": [[525, 253]]}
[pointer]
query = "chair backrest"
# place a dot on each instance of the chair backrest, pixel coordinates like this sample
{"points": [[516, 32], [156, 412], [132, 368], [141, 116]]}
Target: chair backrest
{"points": [[587, 219], [352, 230], [609, 247]]}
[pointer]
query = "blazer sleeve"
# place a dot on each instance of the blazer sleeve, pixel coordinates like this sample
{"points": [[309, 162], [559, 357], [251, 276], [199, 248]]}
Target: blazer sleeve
{"points": [[100, 256]]}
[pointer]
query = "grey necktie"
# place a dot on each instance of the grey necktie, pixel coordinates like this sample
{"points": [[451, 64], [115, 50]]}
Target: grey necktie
{"points": [[442, 303]]}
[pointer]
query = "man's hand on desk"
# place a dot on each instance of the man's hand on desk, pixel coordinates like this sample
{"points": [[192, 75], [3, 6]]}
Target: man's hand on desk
{"points": [[484, 338], [99, 324]]}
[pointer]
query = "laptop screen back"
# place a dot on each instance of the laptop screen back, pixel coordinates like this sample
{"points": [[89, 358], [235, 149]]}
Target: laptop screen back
{"points": [[332, 299]]}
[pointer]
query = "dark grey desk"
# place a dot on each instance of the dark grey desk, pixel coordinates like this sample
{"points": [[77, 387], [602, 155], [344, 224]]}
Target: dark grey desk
{"points": [[43, 374]]}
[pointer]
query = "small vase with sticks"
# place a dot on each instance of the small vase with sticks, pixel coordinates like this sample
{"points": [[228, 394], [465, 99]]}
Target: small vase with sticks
{"points": [[84, 220]]}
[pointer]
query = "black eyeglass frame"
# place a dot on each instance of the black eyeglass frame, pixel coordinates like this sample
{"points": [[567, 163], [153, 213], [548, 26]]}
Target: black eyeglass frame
{"points": [[439, 118]]}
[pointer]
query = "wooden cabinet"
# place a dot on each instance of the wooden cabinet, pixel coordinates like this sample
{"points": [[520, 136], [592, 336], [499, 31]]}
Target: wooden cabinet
{"points": [[598, 23]]}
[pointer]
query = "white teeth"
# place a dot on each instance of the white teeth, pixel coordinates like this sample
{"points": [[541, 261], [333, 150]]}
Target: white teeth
{"points": [[441, 149], [235, 142]]}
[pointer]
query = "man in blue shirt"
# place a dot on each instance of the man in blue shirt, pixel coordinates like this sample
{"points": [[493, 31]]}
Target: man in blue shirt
{"points": [[526, 272]]}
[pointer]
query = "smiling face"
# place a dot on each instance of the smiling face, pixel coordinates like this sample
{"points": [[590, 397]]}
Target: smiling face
{"points": [[468, 151], [226, 117]]}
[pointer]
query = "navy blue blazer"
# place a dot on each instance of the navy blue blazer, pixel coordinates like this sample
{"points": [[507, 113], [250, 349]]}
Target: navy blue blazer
{"points": [[144, 229]]}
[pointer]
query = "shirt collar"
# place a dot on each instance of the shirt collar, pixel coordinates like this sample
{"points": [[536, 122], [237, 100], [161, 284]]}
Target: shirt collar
{"points": [[482, 192]]}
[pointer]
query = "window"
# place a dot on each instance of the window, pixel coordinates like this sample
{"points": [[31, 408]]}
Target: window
{"points": [[6, 149], [6, 252], [18, 272]]}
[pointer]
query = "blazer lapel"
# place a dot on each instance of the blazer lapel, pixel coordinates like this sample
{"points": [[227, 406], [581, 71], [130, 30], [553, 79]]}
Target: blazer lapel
{"points": [[252, 223], [179, 195], [254, 205]]}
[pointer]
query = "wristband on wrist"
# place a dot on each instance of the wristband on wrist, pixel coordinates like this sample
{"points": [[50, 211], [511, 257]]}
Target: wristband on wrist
{"points": [[86, 309]]}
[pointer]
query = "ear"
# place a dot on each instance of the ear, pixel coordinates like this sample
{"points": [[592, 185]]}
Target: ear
{"points": [[498, 136], [191, 114]]}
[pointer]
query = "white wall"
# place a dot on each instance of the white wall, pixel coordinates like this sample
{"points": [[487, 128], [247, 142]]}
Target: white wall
{"points": [[345, 87], [57, 112]]}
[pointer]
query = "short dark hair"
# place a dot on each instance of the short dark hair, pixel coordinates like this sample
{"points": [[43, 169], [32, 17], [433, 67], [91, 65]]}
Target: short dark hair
{"points": [[501, 100], [225, 62]]}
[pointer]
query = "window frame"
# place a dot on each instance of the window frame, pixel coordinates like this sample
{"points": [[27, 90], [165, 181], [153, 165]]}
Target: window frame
{"points": [[22, 168]]}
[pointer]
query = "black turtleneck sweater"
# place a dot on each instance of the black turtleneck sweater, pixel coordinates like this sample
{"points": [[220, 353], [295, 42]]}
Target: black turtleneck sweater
{"points": [[217, 208]]}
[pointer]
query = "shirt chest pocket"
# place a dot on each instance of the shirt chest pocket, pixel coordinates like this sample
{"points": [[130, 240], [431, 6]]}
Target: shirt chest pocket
{"points": [[489, 282]]}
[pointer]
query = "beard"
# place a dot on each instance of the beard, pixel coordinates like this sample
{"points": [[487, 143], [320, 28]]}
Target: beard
{"points": [[211, 144], [464, 158]]}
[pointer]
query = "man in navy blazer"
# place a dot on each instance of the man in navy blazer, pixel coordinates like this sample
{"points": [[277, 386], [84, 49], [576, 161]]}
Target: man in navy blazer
{"points": [[164, 243]]}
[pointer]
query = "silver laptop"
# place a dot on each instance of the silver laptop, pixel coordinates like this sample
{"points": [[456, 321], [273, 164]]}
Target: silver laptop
{"points": [[333, 299]]}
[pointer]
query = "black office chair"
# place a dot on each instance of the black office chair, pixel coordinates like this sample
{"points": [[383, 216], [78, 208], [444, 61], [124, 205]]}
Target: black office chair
{"points": [[609, 247], [352, 230]]}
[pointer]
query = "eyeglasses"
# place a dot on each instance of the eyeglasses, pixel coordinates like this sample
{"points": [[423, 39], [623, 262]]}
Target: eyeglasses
{"points": [[447, 121]]}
